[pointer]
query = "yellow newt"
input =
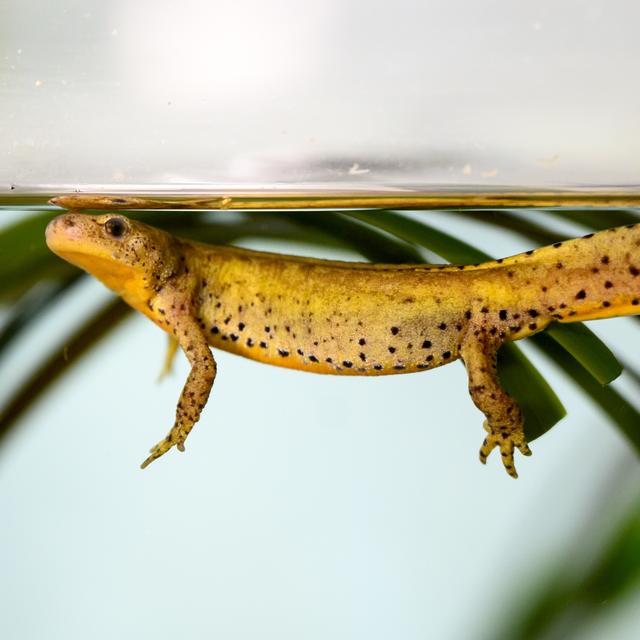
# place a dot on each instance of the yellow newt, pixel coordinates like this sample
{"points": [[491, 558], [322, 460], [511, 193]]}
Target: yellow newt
{"points": [[351, 318]]}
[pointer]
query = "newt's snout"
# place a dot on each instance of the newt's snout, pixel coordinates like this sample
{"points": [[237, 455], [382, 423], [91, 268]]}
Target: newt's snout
{"points": [[60, 231]]}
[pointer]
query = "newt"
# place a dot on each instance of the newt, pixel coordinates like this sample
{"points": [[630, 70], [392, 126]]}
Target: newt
{"points": [[351, 318]]}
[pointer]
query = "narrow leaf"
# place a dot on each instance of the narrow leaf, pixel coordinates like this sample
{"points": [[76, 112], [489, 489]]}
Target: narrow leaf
{"points": [[620, 410], [56, 365]]}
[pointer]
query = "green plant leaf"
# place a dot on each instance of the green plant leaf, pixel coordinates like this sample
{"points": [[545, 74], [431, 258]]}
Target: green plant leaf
{"points": [[581, 586], [30, 306], [371, 243], [95, 328], [540, 405], [588, 350], [595, 219], [613, 403], [513, 222]]}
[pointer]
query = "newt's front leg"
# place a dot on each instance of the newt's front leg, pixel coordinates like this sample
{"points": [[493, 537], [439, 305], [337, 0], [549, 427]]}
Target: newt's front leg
{"points": [[504, 422], [196, 389]]}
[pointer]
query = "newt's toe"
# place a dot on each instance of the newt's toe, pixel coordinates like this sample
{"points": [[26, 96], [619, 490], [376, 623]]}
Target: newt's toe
{"points": [[158, 450], [507, 442]]}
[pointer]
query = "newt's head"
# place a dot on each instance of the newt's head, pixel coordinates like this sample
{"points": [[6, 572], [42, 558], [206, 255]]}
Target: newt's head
{"points": [[128, 256]]}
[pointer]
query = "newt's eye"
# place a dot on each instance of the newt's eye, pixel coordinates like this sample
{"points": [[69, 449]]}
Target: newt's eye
{"points": [[115, 227]]}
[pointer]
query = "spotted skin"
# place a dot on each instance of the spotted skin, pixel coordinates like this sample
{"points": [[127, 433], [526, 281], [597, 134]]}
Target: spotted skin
{"points": [[352, 318]]}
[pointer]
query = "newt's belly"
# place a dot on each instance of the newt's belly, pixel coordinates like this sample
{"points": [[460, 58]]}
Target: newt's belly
{"points": [[371, 341]]}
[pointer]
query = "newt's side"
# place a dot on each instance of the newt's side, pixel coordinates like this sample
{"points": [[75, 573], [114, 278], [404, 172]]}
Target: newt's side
{"points": [[352, 318]]}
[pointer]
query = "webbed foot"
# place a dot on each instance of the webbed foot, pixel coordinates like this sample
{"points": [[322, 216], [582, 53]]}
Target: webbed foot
{"points": [[506, 440]]}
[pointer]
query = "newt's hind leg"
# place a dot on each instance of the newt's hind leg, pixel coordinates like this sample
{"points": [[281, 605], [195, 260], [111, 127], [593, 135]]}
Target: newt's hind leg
{"points": [[504, 422], [196, 389]]}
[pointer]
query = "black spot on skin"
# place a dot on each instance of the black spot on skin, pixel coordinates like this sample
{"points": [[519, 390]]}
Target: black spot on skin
{"points": [[313, 359], [493, 331], [263, 345], [581, 295], [557, 245], [429, 358], [395, 331], [227, 320], [608, 284], [249, 342], [529, 253], [426, 344], [533, 313], [283, 353], [363, 357], [606, 304], [347, 364], [499, 260], [267, 329], [362, 342], [329, 360], [604, 259], [559, 265], [484, 310], [241, 326], [399, 367], [446, 355], [422, 366], [544, 289], [215, 329], [392, 349], [533, 326], [634, 271], [300, 352], [442, 326], [234, 337], [589, 235], [467, 314], [377, 367], [503, 314]]}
